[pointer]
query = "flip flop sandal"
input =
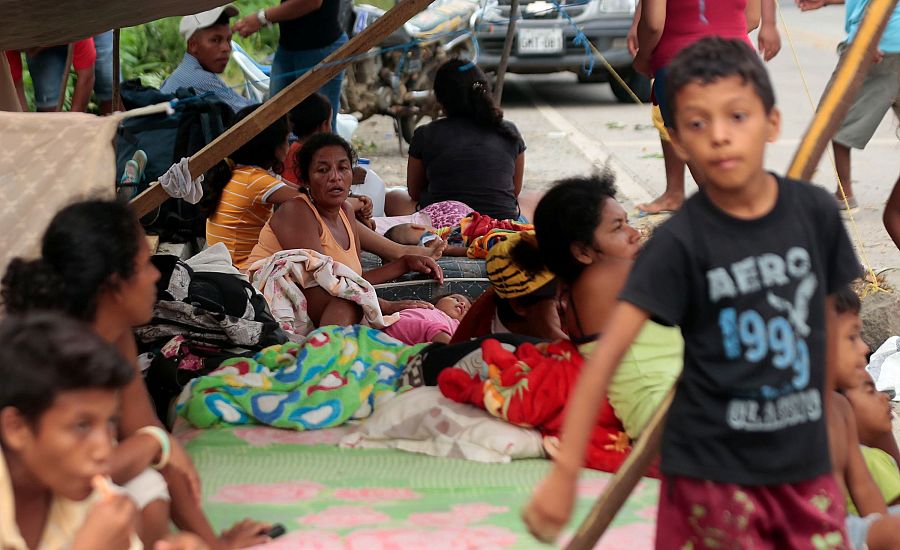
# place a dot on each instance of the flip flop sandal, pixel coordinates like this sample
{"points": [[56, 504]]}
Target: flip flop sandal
{"points": [[851, 202], [641, 213]]}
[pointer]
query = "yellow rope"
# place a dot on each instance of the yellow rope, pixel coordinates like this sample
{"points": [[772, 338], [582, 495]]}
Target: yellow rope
{"points": [[854, 228]]}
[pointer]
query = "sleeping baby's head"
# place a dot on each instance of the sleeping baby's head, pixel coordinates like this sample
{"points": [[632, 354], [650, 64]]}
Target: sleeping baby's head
{"points": [[454, 305]]}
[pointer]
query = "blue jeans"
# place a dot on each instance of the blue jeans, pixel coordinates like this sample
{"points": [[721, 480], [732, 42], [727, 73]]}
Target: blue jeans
{"points": [[103, 67], [659, 93], [47, 70], [289, 65]]}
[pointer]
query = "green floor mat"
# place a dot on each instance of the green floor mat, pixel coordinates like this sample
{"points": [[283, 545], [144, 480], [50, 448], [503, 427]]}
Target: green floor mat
{"points": [[328, 497]]}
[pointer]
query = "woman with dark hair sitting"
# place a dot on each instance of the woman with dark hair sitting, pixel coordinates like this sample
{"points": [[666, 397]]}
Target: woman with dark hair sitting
{"points": [[242, 190], [585, 239], [95, 266], [472, 155], [320, 220]]}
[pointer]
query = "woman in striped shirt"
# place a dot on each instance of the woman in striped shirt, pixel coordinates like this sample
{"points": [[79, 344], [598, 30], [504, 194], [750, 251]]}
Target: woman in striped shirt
{"points": [[242, 191]]}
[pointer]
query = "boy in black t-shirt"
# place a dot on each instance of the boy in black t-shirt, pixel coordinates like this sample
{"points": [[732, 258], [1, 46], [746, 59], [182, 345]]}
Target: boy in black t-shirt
{"points": [[746, 268]]}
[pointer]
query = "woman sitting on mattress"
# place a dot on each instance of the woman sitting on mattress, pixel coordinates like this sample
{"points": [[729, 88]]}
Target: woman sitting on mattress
{"points": [[320, 220], [585, 239], [95, 266]]}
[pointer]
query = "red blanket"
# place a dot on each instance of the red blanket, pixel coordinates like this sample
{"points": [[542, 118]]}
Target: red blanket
{"points": [[530, 387]]}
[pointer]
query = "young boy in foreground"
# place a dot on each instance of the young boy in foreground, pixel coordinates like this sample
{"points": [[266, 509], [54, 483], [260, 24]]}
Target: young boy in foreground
{"points": [[866, 521], [58, 405], [746, 269]]}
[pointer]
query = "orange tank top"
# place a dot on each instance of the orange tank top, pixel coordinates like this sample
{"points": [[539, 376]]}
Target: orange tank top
{"points": [[268, 242]]}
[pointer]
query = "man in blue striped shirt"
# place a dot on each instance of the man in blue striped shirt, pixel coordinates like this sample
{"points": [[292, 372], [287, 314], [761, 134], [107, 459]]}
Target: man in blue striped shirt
{"points": [[208, 37]]}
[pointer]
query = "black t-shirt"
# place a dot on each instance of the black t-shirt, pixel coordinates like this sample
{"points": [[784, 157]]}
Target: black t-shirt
{"points": [[749, 296], [312, 31], [469, 163]]}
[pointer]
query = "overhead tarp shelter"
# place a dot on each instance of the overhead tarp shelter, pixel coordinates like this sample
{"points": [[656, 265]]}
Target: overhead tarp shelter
{"points": [[33, 23], [30, 199]]}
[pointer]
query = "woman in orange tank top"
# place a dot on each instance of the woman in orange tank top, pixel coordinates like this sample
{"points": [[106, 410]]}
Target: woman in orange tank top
{"points": [[321, 221]]}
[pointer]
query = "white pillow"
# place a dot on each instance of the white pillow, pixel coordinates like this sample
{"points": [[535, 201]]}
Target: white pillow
{"points": [[423, 421]]}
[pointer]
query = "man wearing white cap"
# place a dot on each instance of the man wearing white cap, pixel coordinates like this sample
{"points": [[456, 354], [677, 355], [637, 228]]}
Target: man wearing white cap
{"points": [[208, 36]]}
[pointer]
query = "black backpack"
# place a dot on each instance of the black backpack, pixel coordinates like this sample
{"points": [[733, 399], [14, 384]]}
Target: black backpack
{"points": [[166, 139]]}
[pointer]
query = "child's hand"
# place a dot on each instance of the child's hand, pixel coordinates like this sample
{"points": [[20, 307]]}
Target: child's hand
{"points": [[109, 524], [551, 505], [245, 534], [361, 205], [769, 41]]}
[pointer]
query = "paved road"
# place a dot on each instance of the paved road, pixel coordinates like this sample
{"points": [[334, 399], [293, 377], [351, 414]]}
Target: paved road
{"points": [[572, 128], [587, 119]]}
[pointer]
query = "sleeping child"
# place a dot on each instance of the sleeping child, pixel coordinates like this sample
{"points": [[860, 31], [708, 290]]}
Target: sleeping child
{"points": [[449, 238], [422, 325]]}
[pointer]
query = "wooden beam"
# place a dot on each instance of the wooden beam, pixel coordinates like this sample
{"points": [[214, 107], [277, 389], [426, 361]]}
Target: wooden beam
{"points": [[621, 485], [839, 95], [278, 106], [507, 49], [116, 71], [836, 100]]}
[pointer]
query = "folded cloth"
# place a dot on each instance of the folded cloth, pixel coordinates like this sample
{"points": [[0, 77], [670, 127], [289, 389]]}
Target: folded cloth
{"points": [[215, 259], [282, 276], [177, 182], [424, 421]]}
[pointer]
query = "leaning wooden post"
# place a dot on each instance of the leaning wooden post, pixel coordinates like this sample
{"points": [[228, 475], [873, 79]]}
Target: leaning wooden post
{"points": [[836, 101], [285, 100], [621, 485], [507, 49], [116, 68]]}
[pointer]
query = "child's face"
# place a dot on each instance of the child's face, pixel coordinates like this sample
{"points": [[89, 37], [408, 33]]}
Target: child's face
{"points": [[872, 410], [851, 352], [722, 128], [455, 306], [71, 442]]}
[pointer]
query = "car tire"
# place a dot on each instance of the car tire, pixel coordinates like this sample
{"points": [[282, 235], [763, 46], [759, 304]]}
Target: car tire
{"points": [[638, 83]]}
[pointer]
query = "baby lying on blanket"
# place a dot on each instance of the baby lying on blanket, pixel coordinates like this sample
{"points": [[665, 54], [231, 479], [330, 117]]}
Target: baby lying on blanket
{"points": [[422, 325]]}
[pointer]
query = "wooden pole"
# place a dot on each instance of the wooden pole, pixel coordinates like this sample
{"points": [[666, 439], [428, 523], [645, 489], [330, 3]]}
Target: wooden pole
{"points": [[284, 101], [621, 485], [841, 91], [116, 97], [507, 49], [64, 84], [836, 100]]}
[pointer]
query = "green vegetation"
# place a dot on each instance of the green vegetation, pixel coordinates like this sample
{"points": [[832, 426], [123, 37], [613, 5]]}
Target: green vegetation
{"points": [[153, 50]]}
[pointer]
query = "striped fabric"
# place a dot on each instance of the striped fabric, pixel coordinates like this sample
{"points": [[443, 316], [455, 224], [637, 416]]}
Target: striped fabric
{"points": [[242, 212]]}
